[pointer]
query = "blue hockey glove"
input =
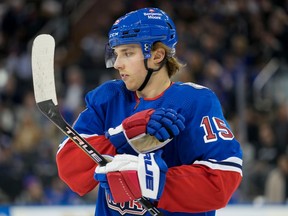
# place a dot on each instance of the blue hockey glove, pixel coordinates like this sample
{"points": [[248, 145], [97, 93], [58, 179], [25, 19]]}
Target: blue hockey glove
{"points": [[147, 130], [129, 177], [165, 124]]}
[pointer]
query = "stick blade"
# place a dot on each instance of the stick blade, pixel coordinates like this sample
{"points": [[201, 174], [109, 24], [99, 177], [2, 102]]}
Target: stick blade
{"points": [[43, 68]]}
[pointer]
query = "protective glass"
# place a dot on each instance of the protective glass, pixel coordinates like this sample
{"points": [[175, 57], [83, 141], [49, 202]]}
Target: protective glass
{"points": [[110, 56], [128, 53]]}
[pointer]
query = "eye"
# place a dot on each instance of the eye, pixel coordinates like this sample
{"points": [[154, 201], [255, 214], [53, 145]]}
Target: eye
{"points": [[128, 54]]}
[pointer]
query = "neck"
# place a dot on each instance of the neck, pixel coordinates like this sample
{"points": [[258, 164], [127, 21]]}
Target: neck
{"points": [[158, 83]]}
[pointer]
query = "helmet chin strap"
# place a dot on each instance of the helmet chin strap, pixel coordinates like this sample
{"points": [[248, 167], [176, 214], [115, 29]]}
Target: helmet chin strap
{"points": [[149, 73]]}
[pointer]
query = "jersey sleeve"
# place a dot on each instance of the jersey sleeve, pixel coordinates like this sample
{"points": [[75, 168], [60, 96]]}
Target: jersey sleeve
{"points": [[76, 168], [211, 160]]}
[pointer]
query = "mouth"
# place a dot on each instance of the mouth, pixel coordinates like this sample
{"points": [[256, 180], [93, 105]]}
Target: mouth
{"points": [[124, 76]]}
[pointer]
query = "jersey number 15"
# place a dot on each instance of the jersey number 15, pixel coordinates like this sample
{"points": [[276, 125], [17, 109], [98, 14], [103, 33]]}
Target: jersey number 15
{"points": [[222, 130]]}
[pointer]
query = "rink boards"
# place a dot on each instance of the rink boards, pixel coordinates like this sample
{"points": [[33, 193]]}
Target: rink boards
{"points": [[88, 210]]}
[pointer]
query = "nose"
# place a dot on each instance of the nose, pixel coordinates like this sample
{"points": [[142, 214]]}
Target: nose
{"points": [[118, 63]]}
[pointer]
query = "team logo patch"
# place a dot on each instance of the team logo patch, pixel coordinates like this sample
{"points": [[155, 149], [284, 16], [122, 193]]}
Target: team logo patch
{"points": [[133, 207]]}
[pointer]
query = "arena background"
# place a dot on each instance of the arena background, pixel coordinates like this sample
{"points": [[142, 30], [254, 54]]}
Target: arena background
{"points": [[236, 48]]}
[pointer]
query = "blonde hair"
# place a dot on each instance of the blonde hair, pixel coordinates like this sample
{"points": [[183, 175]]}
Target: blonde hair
{"points": [[173, 65]]}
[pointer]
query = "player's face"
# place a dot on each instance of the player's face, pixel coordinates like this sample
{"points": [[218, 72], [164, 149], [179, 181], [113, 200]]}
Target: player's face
{"points": [[129, 63]]}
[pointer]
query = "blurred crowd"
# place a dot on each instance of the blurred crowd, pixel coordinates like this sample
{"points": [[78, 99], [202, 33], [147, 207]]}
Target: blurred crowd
{"points": [[225, 45]]}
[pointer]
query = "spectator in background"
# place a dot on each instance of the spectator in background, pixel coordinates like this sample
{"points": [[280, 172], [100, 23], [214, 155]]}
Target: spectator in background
{"points": [[27, 133], [280, 126], [266, 155], [33, 193], [276, 185], [59, 194], [73, 96]]}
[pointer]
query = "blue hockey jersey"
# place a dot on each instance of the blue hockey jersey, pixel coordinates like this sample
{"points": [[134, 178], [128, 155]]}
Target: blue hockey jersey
{"points": [[204, 161]]}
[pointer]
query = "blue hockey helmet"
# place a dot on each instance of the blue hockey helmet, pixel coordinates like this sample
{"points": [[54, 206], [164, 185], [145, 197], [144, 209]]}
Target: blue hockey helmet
{"points": [[145, 27]]}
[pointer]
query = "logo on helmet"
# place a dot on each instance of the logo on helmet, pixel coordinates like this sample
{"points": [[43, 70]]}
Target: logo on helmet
{"points": [[113, 34], [152, 14], [146, 47]]}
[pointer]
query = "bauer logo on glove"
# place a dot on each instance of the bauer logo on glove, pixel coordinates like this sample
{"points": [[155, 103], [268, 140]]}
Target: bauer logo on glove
{"points": [[129, 177]]}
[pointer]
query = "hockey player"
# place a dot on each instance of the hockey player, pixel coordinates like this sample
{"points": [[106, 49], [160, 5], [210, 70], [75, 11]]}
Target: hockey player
{"points": [[167, 141]]}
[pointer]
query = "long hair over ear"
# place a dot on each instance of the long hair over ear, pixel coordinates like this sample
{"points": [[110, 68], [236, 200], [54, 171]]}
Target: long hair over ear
{"points": [[173, 65]]}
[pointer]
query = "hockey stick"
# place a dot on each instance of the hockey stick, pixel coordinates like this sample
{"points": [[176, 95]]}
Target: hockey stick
{"points": [[46, 100]]}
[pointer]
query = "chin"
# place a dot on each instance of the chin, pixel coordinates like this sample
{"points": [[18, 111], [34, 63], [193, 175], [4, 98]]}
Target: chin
{"points": [[131, 88]]}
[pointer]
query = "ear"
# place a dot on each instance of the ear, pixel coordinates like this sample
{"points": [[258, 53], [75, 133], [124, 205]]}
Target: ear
{"points": [[158, 55]]}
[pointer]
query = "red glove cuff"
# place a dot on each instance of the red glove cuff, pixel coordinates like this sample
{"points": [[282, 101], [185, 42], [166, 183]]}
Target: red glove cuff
{"points": [[124, 185], [137, 123]]}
